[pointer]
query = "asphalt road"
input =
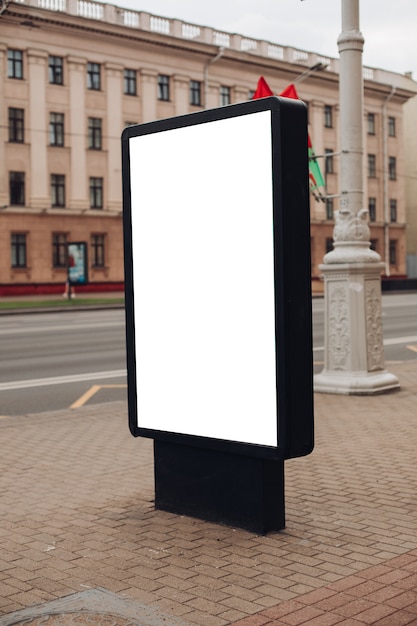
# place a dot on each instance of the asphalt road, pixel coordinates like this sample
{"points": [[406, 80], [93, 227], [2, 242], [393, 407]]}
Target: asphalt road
{"points": [[59, 360], [51, 360]]}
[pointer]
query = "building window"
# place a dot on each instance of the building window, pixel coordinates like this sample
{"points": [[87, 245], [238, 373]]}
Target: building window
{"points": [[130, 82], [393, 252], [372, 209], [329, 208], [93, 76], [328, 116], [224, 95], [392, 168], [371, 123], [371, 165], [58, 190], [195, 92], [56, 70], [56, 129], [16, 125], [59, 250], [18, 250], [97, 250], [94, 133], [96, 193], [328, 161], [163, 87], [15, 64], [393, 210], [329, 245], [374, 244], [391, 127], [17, 188]]}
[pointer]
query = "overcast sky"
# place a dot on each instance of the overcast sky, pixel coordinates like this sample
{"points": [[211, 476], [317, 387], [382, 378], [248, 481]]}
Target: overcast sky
{"points": [[388, 26]]}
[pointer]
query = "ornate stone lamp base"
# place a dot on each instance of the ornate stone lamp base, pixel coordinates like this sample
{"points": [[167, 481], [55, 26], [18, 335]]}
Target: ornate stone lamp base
{"points": [[354, 347], [356, 383]]}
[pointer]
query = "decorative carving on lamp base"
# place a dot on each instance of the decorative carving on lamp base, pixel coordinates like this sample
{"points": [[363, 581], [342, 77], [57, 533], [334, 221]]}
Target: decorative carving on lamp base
{"points": [[374, 331], [338, 320], [351, 237]]}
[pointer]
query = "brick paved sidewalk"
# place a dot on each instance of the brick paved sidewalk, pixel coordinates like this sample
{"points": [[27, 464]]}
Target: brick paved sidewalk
{"points": [[76, 513]]}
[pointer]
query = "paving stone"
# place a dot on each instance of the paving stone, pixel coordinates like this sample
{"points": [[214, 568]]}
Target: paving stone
{"points": [[77, 514], [96, 607]]}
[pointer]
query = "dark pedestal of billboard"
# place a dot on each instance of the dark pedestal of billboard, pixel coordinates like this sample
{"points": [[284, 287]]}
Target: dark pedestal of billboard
{"points": [[216, 486]]}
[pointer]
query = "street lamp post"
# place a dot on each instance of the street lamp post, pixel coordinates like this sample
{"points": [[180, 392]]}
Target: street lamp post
{"points": [[206, 77], [317, 67], [354, 351]]}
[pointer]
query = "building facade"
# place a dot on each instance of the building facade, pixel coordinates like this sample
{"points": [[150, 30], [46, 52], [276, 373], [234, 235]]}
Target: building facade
{"points": [[410, 146], [74, 73]]}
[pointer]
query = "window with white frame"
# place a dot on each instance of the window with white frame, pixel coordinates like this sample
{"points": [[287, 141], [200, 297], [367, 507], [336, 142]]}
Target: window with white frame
{"points": [[163, 87], [129, 82], [18, 250], [15, 64], [328, 116], [94, 76], [372, 209], [371, 123], [56, 129], [224, 95], [16, 125], [96, 192], [56, 70], [195, 92], [58, 190], [94, 133]]}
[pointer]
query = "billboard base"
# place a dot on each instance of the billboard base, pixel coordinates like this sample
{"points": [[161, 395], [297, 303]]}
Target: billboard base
{"points": [[220, 487]]}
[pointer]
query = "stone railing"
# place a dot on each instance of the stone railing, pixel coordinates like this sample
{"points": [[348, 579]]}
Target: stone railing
{"points": [[177, 28]]}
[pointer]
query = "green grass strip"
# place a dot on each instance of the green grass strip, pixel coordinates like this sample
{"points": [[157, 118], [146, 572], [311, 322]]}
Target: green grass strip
{"points": [[63, 302]]}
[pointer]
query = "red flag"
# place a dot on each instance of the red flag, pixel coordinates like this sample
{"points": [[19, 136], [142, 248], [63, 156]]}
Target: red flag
{"points": [[262, 90], [316, 178], [290, 92]]}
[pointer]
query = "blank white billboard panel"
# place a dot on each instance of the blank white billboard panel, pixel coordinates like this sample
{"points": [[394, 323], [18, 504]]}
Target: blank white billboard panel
{"points": [[203, 279]]}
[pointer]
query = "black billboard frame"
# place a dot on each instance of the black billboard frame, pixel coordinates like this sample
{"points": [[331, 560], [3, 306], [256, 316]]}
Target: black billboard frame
{"points": [[292, 272]]}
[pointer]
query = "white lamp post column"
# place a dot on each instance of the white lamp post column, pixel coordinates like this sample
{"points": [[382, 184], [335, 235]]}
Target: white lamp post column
{"points": [[354, 351]]}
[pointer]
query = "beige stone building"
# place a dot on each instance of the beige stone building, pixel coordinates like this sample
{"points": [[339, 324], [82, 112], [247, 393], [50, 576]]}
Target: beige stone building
{"points": [[74, 73], [410, 145]]}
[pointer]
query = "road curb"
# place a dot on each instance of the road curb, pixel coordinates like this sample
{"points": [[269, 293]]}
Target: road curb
{"points": [[61, 309]]}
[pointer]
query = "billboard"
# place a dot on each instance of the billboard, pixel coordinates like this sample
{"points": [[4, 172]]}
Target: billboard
{"points": [[77, 263], [218, 304]]}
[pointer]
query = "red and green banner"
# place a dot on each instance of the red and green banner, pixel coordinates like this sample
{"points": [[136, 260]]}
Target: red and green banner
{"points": [[316, 178], [314, 172]]}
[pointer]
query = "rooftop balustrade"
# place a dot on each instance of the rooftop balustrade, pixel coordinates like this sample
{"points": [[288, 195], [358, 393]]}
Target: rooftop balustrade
{"points": [[141, 20]]}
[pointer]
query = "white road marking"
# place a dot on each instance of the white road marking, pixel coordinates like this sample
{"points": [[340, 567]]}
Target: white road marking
{"points": [[24, 330], [60, 380]]}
